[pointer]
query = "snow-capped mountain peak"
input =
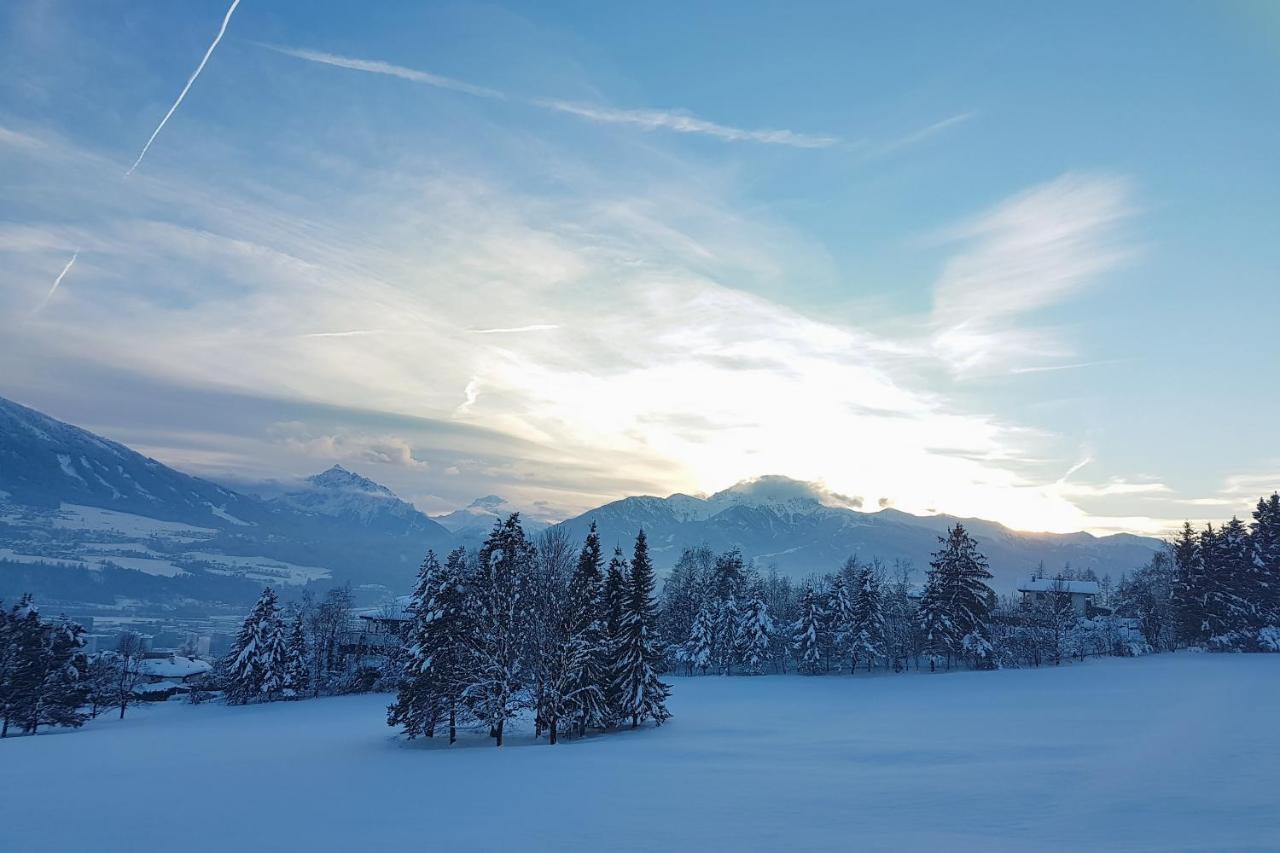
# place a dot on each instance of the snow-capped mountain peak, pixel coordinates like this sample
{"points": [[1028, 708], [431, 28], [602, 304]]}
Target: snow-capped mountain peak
{"points": [[338, 478], [782, 494], [341, 493]]}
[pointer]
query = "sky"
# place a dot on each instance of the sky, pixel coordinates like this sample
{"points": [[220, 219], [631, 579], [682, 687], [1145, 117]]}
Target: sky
{"points": [[1012, 261]]}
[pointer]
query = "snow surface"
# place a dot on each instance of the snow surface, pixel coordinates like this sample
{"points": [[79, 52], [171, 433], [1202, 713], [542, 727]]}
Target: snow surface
{"points": [[259, 568], [1168, 752], [77, 517]]}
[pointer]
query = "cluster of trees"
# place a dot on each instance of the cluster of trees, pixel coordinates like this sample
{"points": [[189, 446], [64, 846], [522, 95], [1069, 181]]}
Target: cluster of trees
{"points": [[269, 659], [718, 615], [1224, 592], [523, 626], [42, 671]]}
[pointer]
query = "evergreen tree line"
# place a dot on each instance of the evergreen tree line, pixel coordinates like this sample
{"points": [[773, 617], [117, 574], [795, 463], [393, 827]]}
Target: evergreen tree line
{"points": [[719, 615], [1224, 588], [1218, 589], [43, 671], [522, 627]]}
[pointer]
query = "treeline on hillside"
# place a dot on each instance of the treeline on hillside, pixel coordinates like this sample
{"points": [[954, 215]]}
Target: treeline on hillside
{"points": [[1219, 589], [719, 615]]}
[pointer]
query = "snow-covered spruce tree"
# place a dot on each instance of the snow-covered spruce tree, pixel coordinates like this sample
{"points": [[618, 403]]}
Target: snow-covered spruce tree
{"points": [[8, 665], [696, 653], [866, 632], [1188, 589], [783, 601], [432, 681], [957, 601], [1229, 569], [40, 671], [589, 674], [1146, 595], [63, 691], [1265, 536], [805, 631], [21, 659], [252, 668], [683, 595], [297, 667], [497, 678], [615, 593], [727, 638], [551, 659], [837, 628], [756, 631], [641, 695], [275, 658], [901, 624]]}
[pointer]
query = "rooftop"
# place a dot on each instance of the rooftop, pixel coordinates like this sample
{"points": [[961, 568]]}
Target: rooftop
{"points": [[1058, 585]]}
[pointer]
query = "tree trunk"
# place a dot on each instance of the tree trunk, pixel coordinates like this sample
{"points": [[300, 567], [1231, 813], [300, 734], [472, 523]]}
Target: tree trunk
{"points": [[123, 705], [552, 734], [498, 732], [453, 724]]}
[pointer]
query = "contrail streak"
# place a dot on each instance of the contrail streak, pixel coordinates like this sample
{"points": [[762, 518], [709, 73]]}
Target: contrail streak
{"points": [[347, 334], [539, 327], [57, 281], [221, 31]]}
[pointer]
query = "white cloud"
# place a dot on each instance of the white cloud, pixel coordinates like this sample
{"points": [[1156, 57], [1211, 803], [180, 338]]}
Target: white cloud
{"points": [[301, 439], [1029, 252], [664, 373]]}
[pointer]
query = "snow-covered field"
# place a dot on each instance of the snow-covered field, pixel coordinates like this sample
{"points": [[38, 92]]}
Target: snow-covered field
{"points": [[1172, 752]]}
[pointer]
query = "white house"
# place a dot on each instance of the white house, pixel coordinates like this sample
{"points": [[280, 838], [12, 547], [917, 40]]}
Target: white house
{"points": [[161, 677], [1039, 590]]}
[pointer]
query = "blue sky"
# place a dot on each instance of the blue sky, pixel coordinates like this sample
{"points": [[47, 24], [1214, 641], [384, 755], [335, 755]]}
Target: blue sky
{"points": [[1008, 260]]}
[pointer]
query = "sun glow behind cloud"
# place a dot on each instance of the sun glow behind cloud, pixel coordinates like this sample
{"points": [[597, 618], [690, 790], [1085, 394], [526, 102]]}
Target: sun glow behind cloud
{"points": [[669, 377]]}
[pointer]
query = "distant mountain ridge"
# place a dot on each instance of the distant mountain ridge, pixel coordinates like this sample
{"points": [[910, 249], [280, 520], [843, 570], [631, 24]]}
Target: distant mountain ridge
{"points": [[359, 530], [70, 497], [803, 530]]}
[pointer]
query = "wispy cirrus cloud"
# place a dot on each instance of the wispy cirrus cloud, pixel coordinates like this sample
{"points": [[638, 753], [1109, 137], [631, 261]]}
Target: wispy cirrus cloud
{"points": [[1029, 252], [676, 121]]}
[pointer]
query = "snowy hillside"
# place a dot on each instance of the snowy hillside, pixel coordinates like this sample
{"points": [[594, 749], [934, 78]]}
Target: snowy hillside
{"points": [[127, 527], [802, 529], [1083, 757], [45, 462]]}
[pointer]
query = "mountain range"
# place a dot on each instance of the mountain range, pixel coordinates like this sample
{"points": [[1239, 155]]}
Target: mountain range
{"points": [[83, 516]]}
